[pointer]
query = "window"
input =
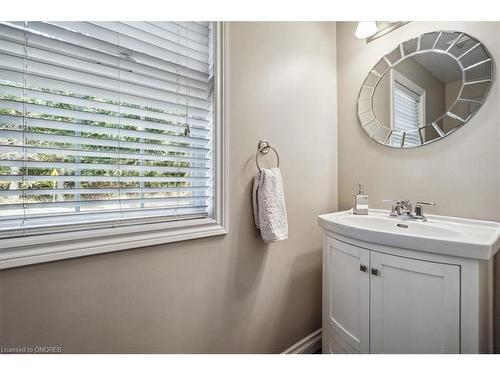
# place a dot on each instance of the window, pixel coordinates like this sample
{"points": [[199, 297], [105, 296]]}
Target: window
{"points": [[108, 125], [408, 111]]}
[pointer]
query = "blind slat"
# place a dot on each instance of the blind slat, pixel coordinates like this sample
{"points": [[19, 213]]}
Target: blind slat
{"points": [[179, 43], [113, 37], [139, 64], [69, 44], [24, 151], [116, 126], [192, 40], [158, 105], [21, 178], [200, 35], [109, 202], [166, 121], [98, 166], [47, 219], [73, 191], [21, 136], [116, 84], [195, 27]]}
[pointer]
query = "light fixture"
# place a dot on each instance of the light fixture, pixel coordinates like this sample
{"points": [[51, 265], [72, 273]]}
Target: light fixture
{"points": [[366, 29]]}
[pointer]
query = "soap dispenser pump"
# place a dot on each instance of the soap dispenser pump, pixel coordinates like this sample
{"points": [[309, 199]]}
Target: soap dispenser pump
{"points": [[360, 202]]}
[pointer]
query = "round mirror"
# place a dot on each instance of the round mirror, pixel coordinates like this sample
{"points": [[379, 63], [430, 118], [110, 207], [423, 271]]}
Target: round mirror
{"points": [[425, 89]]}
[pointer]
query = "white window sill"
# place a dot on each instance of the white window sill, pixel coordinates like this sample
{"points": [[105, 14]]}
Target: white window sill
{"points": [[27, 250]]}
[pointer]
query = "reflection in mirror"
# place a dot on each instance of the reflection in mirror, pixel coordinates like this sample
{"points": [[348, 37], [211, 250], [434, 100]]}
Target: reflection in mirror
{"points": [[402, 96], [424, 89]]}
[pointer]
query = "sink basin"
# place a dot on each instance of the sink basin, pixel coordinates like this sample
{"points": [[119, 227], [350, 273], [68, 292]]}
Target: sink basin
{"points": [[453, 236]]}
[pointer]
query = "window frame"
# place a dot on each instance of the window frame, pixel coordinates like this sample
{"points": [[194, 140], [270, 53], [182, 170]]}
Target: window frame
{"points": [[46, 247], [402, 80]]}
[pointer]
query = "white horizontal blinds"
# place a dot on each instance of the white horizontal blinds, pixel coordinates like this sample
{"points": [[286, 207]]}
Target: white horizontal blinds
{"points": [[407, 115], [104, 121]]}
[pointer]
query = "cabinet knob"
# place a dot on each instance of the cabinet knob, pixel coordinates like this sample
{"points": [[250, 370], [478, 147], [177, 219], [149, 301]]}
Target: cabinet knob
{"points": [[375, 272], [362, 268]]}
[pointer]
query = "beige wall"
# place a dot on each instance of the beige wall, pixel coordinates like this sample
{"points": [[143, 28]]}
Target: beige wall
{"points": [[461, 172], [222, 294]]}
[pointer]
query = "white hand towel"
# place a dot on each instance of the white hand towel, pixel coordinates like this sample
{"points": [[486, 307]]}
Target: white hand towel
{"points": [[269, 205]]}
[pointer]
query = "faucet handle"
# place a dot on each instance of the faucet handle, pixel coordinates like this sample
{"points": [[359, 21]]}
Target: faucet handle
{"points": [[427, 203], [403, 201]]}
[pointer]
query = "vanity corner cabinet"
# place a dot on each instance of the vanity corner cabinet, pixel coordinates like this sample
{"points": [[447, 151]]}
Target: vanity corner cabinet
{"points": [[381, 299]]}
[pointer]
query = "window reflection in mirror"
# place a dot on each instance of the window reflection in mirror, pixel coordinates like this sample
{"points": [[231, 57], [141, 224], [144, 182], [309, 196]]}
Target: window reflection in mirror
{"points": [[424, 89], [417, 92]]}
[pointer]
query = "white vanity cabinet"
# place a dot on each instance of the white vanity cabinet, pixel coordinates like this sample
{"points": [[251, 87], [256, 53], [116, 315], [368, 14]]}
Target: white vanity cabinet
{"points": [[346, 302], [379, 299], [414, 305]]}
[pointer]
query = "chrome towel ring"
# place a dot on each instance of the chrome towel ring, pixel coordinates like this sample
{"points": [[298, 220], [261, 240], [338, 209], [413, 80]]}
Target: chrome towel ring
{"points": [[263, 148]]}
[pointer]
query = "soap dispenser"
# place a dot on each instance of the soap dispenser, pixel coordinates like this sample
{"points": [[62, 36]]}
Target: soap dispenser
{"points": [[360, 202]]}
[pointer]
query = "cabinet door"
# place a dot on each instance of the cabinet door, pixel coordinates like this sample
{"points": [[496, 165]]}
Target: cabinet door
{"points": [[414, 306], [349, 295]]}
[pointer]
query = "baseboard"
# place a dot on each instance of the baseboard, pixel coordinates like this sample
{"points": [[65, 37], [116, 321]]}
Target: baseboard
{"points": [[308, 345]]}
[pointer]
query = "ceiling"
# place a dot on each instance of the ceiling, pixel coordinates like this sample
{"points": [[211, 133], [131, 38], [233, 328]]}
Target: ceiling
{"points": [[446, 69], [441, 66]]}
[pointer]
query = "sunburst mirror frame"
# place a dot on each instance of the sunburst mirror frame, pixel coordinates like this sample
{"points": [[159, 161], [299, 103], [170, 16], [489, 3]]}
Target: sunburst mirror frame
{"points": [[443, 42]]}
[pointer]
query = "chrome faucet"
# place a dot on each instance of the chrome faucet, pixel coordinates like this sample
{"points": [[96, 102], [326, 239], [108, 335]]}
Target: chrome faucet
{"points": [[402, 209]]}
